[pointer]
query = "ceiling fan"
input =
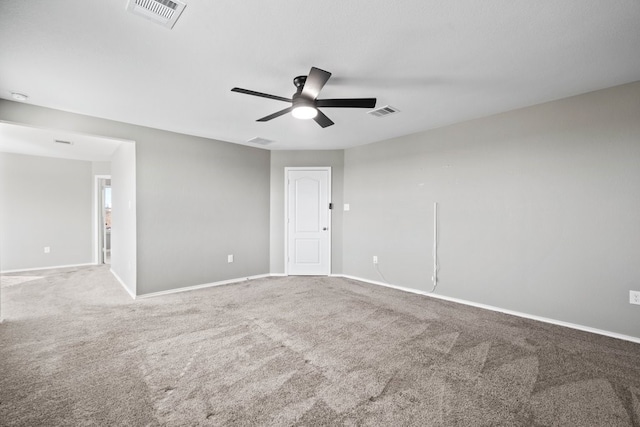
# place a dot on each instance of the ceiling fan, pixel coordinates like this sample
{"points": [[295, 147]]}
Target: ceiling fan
{"points": [[305, 102]]}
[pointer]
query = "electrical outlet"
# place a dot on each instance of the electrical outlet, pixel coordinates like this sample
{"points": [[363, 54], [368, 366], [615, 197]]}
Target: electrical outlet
{"points": [[47, 249], [634, 297], [229, 258], [375, 259]]}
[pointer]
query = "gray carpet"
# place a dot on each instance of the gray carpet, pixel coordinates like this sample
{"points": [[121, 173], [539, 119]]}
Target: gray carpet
{"points": [[76, 350]]}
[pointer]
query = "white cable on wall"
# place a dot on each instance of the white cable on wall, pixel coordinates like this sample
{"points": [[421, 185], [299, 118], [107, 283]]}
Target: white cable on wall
{"points": [[436, 267], [384, 280], [434, 278]]}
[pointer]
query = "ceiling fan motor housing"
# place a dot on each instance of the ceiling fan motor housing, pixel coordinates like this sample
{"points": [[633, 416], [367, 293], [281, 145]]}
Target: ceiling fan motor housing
{"points": [[298, 100], [299, 82]]}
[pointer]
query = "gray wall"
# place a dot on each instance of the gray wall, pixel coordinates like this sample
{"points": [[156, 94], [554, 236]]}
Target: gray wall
{"points": [[200, 200], [123, 220], [197, 200], [282, 159], [539, 209], [44, 202]]}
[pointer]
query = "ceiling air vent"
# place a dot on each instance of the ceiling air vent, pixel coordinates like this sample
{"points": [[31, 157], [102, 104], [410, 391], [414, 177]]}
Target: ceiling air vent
{"points": [[383, 111], [260, 141], [163, 12]]}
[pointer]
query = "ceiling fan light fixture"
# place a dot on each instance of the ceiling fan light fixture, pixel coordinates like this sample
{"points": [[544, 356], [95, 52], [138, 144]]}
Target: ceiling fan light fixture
{"points": [[304, 112]]}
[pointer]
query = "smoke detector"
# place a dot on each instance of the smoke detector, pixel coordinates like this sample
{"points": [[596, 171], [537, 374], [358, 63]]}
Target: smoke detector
{"points": [[383, 111], [19, 96], [163, 12]]}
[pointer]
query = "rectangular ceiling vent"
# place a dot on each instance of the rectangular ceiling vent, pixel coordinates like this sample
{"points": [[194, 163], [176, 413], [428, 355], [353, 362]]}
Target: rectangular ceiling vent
{"points": [[163, 12], [384, 111], [260, 141]]}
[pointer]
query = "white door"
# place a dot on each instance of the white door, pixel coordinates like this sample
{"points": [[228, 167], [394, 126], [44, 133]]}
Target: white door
{"points": [[308, 221]]}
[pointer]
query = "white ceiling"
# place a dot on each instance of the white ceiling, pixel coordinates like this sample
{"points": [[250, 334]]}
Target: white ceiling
{"points": [[439, 62], [34, 141]]}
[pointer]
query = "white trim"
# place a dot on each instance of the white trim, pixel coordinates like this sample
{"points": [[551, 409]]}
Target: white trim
{"points": [[205, 285], [47, 268], [126, 288], [500, 310], [278, 274], [286, 210]]}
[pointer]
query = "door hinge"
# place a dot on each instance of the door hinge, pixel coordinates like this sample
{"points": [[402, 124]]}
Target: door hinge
{"points": [[330, 205]]}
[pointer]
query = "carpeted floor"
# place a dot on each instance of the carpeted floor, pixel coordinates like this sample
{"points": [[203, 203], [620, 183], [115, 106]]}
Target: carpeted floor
{"points": [[76, 350]]}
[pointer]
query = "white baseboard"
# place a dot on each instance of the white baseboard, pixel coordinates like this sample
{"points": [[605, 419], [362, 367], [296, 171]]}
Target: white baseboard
{"points": [[46, 268], [500, 310], [205, 285], [126, 288], [278, 274]]}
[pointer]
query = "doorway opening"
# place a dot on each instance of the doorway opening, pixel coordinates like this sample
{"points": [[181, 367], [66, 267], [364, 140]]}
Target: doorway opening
{"points": [[103, 219]]}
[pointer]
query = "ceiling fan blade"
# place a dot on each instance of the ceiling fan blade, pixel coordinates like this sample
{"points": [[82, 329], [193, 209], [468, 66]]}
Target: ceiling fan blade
{"points": [[263, 95], [316, 80], [274, 115], [322, 120], [347, 103]]}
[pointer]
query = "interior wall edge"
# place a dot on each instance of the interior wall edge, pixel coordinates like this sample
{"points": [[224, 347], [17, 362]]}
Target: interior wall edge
{"points": [[48, 267], [562, 323], [123, 284], [203, 286]]}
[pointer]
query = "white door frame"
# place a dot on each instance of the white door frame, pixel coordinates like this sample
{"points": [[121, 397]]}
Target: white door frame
{"points": [[286, 211], [98, 229]]}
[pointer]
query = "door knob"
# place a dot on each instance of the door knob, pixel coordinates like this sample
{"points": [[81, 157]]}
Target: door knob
{"points": [[324, 228]]}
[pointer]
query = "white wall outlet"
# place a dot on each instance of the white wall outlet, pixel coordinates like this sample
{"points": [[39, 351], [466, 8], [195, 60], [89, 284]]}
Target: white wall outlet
{"points": [[634, 297], [47, 249], [375, 259], [347, 207], [229, 258]]}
